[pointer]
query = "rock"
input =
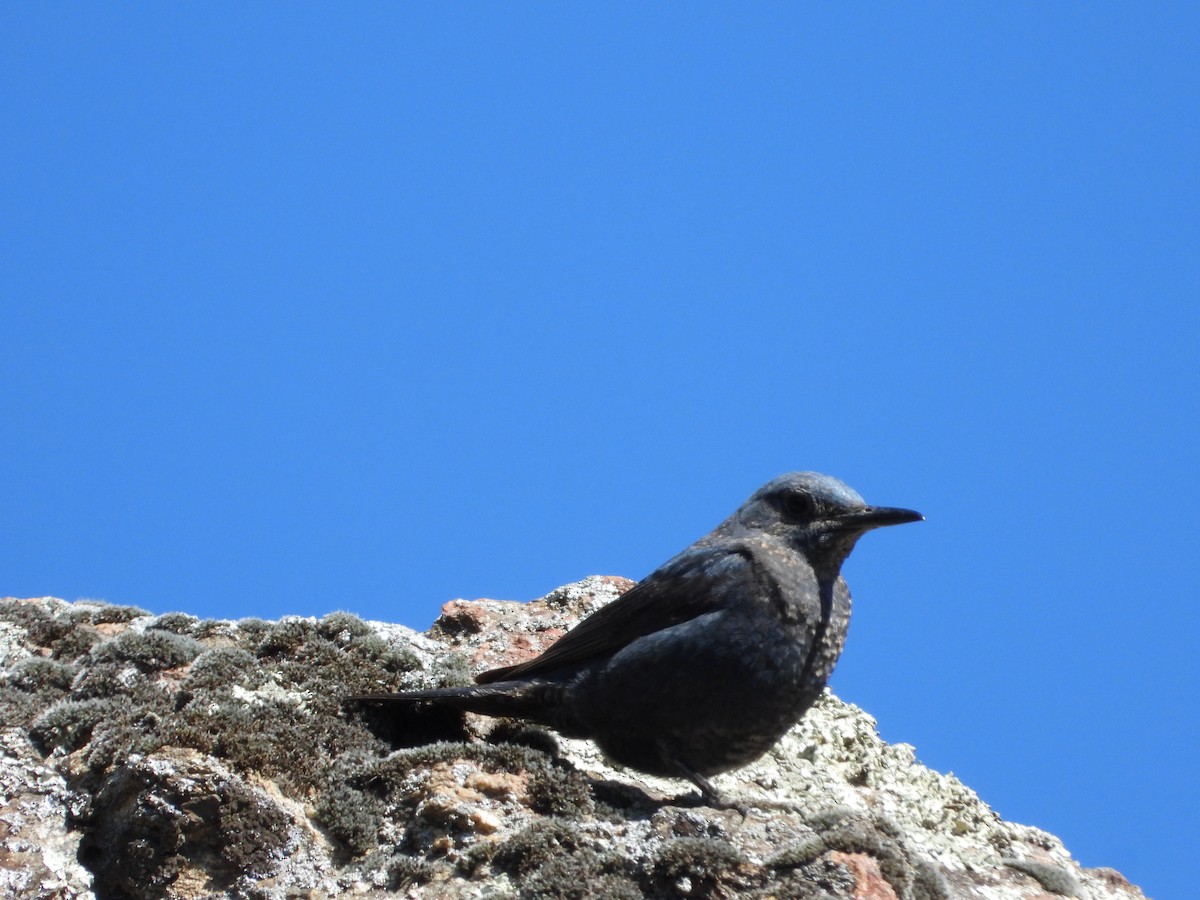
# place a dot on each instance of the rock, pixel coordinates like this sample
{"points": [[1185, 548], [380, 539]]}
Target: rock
{"points": [[165, 756]]}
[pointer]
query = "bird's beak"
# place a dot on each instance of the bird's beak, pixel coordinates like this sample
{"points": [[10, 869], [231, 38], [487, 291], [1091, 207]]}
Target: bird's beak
{"points": [[877, 516]]}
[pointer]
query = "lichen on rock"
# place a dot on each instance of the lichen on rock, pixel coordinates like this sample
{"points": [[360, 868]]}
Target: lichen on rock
{"points": [[167, 756]]}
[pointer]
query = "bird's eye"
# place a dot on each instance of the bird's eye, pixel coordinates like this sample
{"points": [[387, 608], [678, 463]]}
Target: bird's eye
{"points": [[797, 505]]}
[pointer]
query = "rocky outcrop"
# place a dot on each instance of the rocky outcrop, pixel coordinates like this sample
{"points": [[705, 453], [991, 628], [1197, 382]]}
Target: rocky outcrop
{"points": [[166, 756]]}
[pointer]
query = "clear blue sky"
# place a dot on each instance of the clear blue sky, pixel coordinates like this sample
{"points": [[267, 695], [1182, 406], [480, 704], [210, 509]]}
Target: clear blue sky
{"points": [[317, 307]]}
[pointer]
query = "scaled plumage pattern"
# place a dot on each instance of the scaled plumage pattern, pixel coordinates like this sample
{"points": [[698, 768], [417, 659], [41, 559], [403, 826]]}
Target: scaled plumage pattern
{"points": [[704, 664]]}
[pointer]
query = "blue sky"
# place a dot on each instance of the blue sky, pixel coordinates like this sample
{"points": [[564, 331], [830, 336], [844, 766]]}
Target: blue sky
{"points": [[314, 307]]}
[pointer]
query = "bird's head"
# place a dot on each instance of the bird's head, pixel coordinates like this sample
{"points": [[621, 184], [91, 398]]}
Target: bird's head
{"points": [[817, 515]]}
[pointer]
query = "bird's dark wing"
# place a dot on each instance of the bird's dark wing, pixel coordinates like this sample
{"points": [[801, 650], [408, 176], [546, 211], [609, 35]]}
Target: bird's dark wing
{"points": [[695, 582]]}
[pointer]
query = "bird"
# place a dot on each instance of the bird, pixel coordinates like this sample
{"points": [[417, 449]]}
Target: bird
{"points": [[703, 665]]}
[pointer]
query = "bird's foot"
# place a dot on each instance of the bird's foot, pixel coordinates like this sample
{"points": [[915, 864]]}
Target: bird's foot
{"points": [[769, 803], [744, 804], [711, 795]]}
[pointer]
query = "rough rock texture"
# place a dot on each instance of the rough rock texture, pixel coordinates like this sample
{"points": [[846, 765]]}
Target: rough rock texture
{"points": [[164, 756]]}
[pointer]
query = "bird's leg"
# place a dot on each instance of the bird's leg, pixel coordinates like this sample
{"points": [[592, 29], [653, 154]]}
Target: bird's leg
{"points": [[709, 793], [718, 799]]}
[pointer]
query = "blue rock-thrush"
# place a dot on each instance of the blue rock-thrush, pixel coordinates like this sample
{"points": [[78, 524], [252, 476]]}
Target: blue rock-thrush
{"points": [[704, 664]]}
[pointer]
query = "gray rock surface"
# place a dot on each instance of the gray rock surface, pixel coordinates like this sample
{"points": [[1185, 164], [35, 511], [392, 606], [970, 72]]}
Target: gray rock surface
{"points": [[165, 756]]}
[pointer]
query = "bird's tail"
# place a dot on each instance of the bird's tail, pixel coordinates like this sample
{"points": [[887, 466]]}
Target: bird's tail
{"points": [[520, 699]]}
